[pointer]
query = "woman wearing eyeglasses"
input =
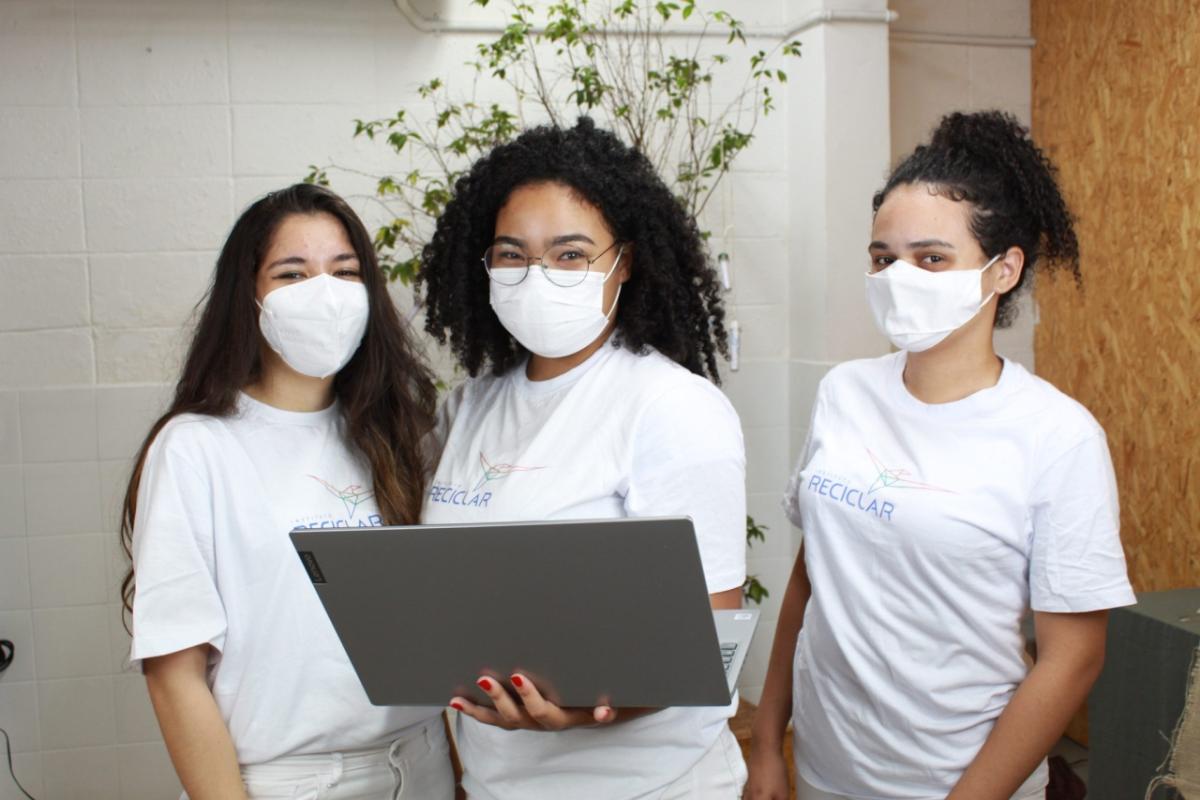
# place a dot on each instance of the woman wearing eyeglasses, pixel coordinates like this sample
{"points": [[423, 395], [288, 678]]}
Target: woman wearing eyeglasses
{"points": [[574, 289]]}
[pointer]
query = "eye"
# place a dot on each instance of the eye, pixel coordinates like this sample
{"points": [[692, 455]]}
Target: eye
{"points": [[290, 275], [567, 257], [348, 272], [508, 256], [880, 262]]}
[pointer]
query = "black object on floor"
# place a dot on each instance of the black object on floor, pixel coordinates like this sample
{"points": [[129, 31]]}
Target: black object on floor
{"points": [[1136, 703], [1064, 783]]}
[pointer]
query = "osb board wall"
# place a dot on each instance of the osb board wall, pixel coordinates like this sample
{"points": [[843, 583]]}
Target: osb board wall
{"points": [[1116, 102]]}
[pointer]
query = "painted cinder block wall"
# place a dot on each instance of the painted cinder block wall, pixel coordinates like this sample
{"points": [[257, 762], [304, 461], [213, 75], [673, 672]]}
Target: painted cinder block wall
{"points": [[132, 132]]}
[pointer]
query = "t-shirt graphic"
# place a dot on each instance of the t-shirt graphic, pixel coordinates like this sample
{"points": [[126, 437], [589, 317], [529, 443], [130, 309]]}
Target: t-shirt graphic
{"points": [[352, 497], [871, 499]]}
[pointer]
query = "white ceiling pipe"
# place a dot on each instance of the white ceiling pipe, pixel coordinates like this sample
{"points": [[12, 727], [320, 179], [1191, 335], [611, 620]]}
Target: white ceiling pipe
{"points": [[785, 31], [968, 39]]}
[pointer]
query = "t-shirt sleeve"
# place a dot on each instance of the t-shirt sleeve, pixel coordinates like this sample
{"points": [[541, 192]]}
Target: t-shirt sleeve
{"points": [[176, 603], [435, 440], [1077, 563], [791, 494], [689, 460]]}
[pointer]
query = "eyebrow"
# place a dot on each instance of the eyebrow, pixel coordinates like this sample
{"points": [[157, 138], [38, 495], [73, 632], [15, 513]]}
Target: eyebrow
{"points": [[564, 239], [301, 260], [877, 245]]}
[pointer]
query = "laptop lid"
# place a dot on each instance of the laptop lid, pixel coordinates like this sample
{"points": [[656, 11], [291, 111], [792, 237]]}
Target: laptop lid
{"points": [[609, 612]]}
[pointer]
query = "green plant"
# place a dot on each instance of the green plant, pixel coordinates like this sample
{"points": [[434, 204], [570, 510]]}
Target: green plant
{"points": [[752, 589], [622, 61]]}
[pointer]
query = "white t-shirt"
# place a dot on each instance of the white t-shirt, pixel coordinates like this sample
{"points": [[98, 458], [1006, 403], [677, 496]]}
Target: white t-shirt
{"points": [[929, 531], [214, 564], [621, 435]]}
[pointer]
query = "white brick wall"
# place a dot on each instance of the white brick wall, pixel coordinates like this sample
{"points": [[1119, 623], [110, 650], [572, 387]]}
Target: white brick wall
{"points": [[131, 134]]}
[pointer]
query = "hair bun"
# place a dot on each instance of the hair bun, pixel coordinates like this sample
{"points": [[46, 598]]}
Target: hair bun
{"points": [[979, 131]]}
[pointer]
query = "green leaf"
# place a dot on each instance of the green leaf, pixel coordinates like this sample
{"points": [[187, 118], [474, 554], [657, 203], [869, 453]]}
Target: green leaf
{"points": [[316, 175], [755, 531], [397, 139], [754, 591]]}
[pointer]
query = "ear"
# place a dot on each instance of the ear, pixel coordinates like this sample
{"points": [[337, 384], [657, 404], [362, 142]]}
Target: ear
{"points": [[1008, 270], [624, 268]]}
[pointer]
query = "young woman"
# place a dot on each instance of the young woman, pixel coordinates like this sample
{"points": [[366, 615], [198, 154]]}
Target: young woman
{"points": [[571, 283], [943, 493], [302, 404]]}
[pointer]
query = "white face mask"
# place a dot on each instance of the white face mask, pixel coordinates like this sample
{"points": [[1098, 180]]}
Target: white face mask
{"points": [[315, 325], [916, 308], [550, 320]]}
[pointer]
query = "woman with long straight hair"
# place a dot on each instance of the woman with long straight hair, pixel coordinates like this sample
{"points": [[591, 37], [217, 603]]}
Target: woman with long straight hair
{"points": [[945, 493], [302, 403]]}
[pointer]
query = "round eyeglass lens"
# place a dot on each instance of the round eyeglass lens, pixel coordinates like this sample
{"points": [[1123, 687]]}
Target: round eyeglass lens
{"points": [[566, 265], [506, 264]]}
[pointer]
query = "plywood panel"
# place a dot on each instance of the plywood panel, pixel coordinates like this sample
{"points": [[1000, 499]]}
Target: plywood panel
{"points": [[1117, 105]]}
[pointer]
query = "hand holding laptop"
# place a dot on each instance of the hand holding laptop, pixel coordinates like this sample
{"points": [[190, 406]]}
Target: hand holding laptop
{"points": [[528, 710]]}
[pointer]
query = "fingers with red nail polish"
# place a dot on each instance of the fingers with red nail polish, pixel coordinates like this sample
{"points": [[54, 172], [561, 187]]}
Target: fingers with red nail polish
{"points": [[604, 714], [506, 706], [524, 707]]}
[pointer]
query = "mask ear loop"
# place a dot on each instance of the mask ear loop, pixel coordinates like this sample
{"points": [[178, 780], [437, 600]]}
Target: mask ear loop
{"points": [[613, 268], [982, 270], [607, 275]]}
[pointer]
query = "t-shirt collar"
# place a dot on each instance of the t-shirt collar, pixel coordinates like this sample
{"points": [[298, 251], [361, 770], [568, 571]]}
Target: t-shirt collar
{"points": [[982, 402], [248, 407], [568, 378]]}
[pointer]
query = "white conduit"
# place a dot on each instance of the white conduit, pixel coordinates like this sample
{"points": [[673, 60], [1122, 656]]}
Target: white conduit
{"points": [[785, 31], [968, 39]]}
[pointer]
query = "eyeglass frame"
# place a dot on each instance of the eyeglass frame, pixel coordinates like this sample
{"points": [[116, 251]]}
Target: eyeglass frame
{"points": [[529, 262]]}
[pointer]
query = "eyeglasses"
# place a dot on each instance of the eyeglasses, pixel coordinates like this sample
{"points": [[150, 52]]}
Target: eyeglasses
{"points": [[564, 265]]}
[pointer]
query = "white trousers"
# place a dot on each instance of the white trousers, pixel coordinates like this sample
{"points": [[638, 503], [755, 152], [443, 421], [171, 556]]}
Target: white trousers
{"points": [[806, 791], [416, 767], [719, 775]]}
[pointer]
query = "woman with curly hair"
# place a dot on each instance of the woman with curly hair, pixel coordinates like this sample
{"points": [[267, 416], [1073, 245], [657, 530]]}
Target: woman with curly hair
{"points": [[573, 288], [302, 403], [944, 493]]}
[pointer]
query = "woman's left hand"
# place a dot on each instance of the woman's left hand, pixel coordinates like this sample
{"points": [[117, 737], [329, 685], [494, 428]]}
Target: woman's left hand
{"points": [[529, 710]]}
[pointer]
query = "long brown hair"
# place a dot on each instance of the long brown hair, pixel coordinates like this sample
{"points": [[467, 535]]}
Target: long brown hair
{"points": [[386, 392]]}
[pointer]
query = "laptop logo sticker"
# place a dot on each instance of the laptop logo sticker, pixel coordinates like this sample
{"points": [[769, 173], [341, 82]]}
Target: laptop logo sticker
{"points": [[311, 566]]}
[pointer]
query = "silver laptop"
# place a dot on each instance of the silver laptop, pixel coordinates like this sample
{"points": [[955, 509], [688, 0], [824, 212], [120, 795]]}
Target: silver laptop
{"points": [[596, 612]]}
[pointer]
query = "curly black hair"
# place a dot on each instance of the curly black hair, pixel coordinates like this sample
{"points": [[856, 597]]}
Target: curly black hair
{"points": [[988, 160], [670, 302]]}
